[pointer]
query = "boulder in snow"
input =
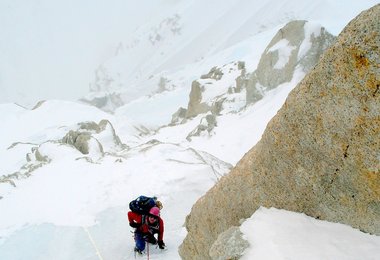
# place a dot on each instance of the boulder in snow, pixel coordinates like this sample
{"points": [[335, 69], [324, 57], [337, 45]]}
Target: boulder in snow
{"points": [[229, 245]]}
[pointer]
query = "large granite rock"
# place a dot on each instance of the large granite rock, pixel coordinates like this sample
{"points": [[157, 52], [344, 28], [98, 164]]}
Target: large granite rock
{"points": [[319, 155], [229, 245]]}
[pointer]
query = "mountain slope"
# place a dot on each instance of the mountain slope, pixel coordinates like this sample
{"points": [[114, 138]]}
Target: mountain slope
{"points": [[317, 156], [175, 39]]}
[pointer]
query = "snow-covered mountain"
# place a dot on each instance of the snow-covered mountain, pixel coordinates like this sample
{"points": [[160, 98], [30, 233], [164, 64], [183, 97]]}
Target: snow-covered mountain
{"points": [[185, 40], [70, 169]]}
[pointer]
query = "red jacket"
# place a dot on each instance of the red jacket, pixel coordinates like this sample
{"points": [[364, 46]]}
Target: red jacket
{"points": [[147, 227]]}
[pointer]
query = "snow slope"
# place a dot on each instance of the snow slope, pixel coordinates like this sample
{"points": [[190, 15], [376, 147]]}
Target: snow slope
{"points": [[72, 209], [75, 208]]}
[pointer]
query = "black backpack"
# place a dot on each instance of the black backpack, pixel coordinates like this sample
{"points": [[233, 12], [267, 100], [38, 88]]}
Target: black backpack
{"points": [[142, 204]]}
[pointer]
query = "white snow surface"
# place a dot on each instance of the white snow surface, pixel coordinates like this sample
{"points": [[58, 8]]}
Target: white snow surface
{"points": [[284, 51], [311, 30], [75, 205], [279, 234]]}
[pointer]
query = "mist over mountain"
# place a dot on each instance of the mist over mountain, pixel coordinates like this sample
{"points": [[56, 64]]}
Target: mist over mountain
{"points": [[61, 50]]}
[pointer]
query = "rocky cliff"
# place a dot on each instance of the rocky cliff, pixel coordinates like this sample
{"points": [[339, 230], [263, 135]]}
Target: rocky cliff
{"points": [[297, 44], [319, 155]]}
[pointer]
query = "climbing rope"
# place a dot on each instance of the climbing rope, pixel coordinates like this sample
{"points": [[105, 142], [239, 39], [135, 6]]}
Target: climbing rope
{"points": [[147, 249], [93, 243]]}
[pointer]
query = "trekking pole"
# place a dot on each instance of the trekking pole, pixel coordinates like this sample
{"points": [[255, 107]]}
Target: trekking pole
{"points": [[147, 248]]}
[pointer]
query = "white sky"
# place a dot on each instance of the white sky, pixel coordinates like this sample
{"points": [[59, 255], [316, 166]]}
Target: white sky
{"points": [[50, 48]]}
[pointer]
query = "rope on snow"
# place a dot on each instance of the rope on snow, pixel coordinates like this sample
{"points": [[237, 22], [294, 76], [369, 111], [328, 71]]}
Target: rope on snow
{"points": [[93, 243]]}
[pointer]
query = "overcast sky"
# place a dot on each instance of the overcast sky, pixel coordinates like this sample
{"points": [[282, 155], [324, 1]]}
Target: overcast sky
{"points": [[50, 48]]}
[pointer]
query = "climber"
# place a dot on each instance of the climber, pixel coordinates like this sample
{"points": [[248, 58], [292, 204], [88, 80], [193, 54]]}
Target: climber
{"points": [[146, 226]]}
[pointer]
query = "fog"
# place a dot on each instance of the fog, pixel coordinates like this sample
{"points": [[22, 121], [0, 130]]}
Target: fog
{"points": [[49, 49]]}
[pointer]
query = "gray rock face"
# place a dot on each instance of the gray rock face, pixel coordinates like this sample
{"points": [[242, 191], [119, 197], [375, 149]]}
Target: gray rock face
{"points": [[210, 91], [80, 140], [297, 43], [214, 73], [91, 131], [196, 106], [229, 245], [107, 102], [206, 125], [178, 116], [319, 155]]}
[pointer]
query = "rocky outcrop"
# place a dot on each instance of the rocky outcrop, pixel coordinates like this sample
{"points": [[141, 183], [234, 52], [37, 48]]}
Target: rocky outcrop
{"points": [[34, 160], [210, 91], [105, 101], [298, 43], [81, 141], [215, 73], [196, 106], [229, 245], [179, 116], [91, 141], [319, 154], [206, 126], [101, 137]]}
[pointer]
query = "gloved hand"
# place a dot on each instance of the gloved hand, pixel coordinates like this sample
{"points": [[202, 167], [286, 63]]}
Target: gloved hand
{"points": [[161, 244], [150, 239], [134, 224]]}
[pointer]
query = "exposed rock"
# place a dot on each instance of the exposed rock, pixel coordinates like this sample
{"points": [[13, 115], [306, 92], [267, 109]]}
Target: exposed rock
{"points": [[207, 124], [170, 25], [103, 95], [162, 85], [34, 160], [103, 80], [103, 126], [39, 103], [242, 80], [90, 126], [79, 140], [196, 106], [106, 101], [215, 73], [29, 157], [319, 155], [178, 116], [20, 143], [99, 134], [229, 245], [6, 179], [241, 65], [294, 44], [39, 157], [210, 91], [218, 166], [89, 138]]}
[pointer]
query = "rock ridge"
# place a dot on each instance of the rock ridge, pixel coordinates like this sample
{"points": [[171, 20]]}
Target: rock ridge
{"points": [[319, 155]]}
